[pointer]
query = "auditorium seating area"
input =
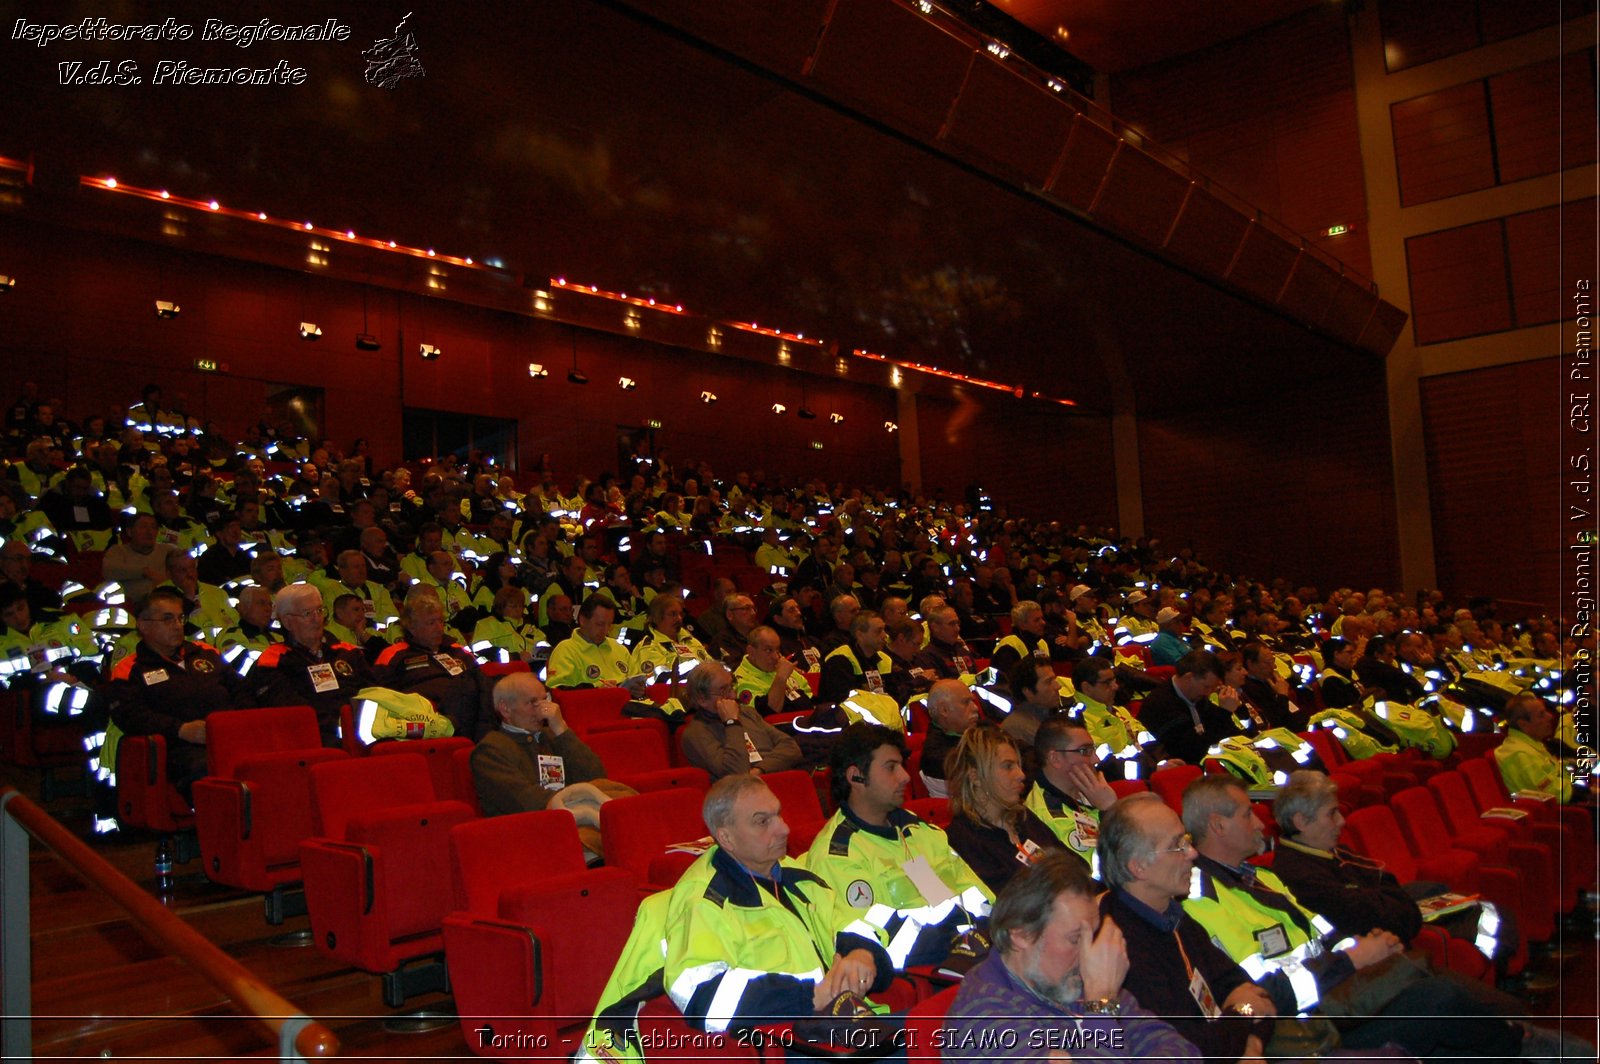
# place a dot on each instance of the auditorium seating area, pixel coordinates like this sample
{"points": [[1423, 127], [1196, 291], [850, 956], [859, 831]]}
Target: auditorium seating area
{"points": [[523, 933]]}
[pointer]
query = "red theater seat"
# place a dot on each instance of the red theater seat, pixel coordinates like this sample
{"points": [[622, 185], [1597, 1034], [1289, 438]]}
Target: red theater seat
{"points": [[254, 808], [638, 757], [802, 810], [373, 881], [535, 933], [1170, 782], [589, 706], [636, 831], [439, 754], [146, 798]]}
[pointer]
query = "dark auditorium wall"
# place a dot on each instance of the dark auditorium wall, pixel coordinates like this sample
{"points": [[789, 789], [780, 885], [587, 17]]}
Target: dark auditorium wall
{"points": [[1272, 117], [1300, 488], [1493, 437], [1027, 456], [83, 326]]}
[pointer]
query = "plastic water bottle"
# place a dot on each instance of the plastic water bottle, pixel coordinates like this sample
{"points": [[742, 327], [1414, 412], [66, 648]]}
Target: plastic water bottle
{"points": [[164, 865]]}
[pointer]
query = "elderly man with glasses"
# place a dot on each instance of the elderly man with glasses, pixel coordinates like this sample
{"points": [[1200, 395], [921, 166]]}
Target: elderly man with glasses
{"points": [[310, 667]]}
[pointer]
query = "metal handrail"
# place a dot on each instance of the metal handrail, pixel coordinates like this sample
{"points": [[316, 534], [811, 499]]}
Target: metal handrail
{"points": [[298, 1036]]}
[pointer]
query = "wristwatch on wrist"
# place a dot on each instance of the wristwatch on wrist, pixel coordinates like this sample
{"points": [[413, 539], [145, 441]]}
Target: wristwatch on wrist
{"points": [[1101, 1006]]}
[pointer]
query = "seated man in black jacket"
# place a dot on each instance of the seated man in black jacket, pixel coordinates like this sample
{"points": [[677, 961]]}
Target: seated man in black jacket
{"points": [[1182, 715]]}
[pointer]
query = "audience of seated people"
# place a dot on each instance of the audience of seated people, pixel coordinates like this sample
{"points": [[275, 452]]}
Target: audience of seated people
{"points": [[292, 559]]}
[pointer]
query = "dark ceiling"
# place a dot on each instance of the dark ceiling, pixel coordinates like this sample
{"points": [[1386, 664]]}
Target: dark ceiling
{"points": [[1117, 35], [570, 137]]}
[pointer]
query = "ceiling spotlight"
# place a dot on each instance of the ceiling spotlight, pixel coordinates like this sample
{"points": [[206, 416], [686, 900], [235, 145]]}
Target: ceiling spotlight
{"points": [[708, 397], [891, 426], [537, 370], [836, 418], [367, 342], [167, 309], [429, 352], [627, 384], [778, 408], [806, 415], [574, 377], [7, 282], [310, 330]]}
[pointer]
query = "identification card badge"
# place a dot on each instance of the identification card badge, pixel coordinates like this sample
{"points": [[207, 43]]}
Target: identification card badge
{"points": [[935, 891], [1272, 941], [322, 678], [750, 749], [1203, 997], [812, 656], [963, 663], [874, 682], [371, 610], [449, 664], [552, 772], [1086, 833], [155, 676], [80, 514], [1028, 852]]}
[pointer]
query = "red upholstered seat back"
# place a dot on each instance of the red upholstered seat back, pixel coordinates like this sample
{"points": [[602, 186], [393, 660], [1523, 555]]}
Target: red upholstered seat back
{"points": [[439, 755], [591, 705], [1420, 820], [802, 809], [636, 830], [356, 786], [415, 840], [1374, 832], [629, 751], [238, 734], [486, 854]]}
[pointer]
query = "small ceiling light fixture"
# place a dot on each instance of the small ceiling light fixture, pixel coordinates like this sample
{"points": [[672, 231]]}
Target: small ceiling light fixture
{"points": [[310, 330], [214, 205], [708, 397], [837, 419], [536, 370], [627, 384], [430, 352], [167, 310], [367, 342], [7, 282], [890, 426], [778, 408]]}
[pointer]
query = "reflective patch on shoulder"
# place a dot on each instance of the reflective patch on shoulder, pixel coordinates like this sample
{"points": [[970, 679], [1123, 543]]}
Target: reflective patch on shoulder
{"points": [[839, 844]]}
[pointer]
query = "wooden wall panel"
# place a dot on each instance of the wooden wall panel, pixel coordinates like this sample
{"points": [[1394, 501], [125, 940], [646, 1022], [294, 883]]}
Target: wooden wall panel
{"points": [[1420, 31], [1544, 116], [1009, 122], [1141, 196], [1533, 248], [1026, 455], [1441, 143], [1458, 283], [246, 316], [1300, 489], [1083, 163], [1270, 117], [1492, 439], [893, 62]]}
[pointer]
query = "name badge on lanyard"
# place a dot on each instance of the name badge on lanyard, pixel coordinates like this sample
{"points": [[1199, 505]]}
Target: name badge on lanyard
{"points": [[874, 681], [322, 678]]}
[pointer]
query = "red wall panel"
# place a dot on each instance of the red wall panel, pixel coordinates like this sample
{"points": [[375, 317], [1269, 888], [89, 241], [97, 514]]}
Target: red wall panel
{"points": [[81, 322], [1300, 489], [1029, 457], [1458, 283], [1492, 438], [1544, 116], [1271, 117], [1441, 143]]}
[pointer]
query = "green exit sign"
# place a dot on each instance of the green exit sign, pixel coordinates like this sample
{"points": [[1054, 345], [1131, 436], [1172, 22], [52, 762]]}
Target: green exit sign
{"points": [[207, 365], [1338, 230], [816, 445], [653, 423]]}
